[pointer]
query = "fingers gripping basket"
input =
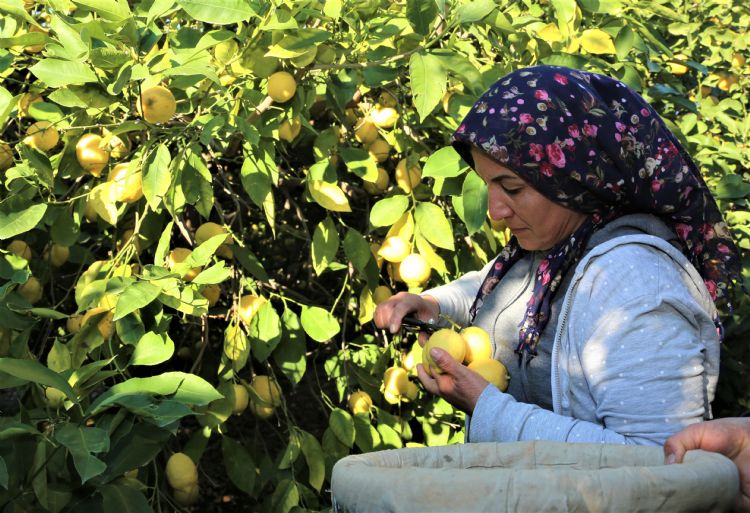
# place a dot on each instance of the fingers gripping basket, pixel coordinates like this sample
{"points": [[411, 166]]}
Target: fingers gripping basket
{"points": [[533, 477]]}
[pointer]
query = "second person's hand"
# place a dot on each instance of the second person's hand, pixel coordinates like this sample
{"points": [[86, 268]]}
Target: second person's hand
{"points": [[388, 314]]}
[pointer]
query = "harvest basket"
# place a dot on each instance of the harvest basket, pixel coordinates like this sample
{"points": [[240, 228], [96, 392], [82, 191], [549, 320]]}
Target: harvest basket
{"points": [[533, 477]]}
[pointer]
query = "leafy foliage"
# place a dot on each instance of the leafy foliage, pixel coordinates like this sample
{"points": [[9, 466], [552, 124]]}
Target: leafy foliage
{"points": [[122, 330]]}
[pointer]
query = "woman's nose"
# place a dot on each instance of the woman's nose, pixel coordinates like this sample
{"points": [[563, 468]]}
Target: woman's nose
{"points": [[497, 207]]}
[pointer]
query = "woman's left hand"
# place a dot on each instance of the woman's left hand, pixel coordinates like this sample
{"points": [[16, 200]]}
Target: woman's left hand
{"points": [[458, 385]]}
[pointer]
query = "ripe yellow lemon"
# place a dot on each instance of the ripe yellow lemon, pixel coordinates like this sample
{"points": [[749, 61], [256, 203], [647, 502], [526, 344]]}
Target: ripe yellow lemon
{"points": [[25, 101], [281, 86], [42, 136], [394, 249], [412, 358], [105, 326], [380, 184], [127, 237], [738, 60], [445, 339], [241, 399], [73, 324], [225, 51], [91, 155], [181, 471], [31, 291], [208, 230], [128, 185], [407, 179], [381, 293], [360, 402], [57, 255], [20, 248], [119, 146], [267, 389], [157, 104], [478, 345], [261, 410], [186, 496], [384, 117], [249, 306], [675, 67], [288, 131], [365, 131], [54, 397], [395, 379], [493, 371], [386, 99], [178, 255], [379, 149], [726, 81], [212, 293], [6, 157], [411, 391], [414, 270]]}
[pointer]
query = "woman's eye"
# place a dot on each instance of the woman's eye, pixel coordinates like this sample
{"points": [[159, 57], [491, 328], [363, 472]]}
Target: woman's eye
{"points": [[511, 192]]}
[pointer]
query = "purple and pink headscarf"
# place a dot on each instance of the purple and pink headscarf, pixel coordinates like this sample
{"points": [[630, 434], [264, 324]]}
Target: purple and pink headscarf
{"points": [[590, 143]]}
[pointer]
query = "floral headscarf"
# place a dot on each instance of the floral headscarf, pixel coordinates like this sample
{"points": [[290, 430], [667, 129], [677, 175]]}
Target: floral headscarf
{"points": [[590, 143]]}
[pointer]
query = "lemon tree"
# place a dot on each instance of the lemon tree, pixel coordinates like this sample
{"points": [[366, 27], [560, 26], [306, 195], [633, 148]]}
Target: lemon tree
{"points": [[201, 204]]}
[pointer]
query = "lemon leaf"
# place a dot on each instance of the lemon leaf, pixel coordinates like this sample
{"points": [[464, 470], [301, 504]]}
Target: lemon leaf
{"points": [[329, 196], [598, 42], [342, 425]]}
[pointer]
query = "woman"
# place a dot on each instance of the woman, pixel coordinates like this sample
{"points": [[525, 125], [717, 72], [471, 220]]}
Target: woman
{"points": [[601, 306]]}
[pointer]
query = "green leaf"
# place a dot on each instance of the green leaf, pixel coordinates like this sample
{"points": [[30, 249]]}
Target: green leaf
{"points": [[111, 10], [357, 250], [285, 497], [421, 15], [124, 499], [16, 223], [389, 437], [82, 442], [292, 451], [137, 295], [325, 245], [428, 82], [58, 358], [7, 104], [342, 425], [318, 323], [183, 387], [161, 412], [475, 10], [218, 12], [433, 224], [157, 176], [474, 199], [389, 210], [315, 459], [598, 42], [366, 436], [358, 161], [239, 464], [250, 262], [44, 111], [732, 187], [265, 332], [59, 73], [3, 474], [290, 353], [217, 273], [138, 447], [444, 163], [35, 372], [152, 349]]}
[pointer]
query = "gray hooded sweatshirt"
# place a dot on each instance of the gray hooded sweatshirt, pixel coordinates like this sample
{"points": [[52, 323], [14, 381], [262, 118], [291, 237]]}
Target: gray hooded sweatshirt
{"points": [[630, 354]]}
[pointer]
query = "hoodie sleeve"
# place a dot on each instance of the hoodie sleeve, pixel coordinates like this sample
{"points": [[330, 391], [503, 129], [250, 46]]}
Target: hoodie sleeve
{"points": [[455, 298]]}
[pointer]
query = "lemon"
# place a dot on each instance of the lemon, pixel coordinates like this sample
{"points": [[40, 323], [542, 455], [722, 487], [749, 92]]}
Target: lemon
{"points": [[289, 130], [445, 339], [31, 291], [128, 237], [91, 155], [20, 248], [118, 146], [281, 86], [329, 196], [255, 61], [106, 326], [395, 379], [394, 249], [726, 81], [493, 371], [249, 306], [212, 293], [157, 104], [54, 397], [181, 471], [360, 402], [42, 136], [381, 293], [241, 399], [128, 185], [261, 410], [738, 60], [210, 229], [186, 496], [225, 51], [73, 324], [380, 185], [267, 389], [365, 131], [414, 270], [325, 54], [178, 255], [478, 345], [36, 48], [675, 67], [57, 255], [6, 157], [411, 391], [412, 358], [379, 149], [386, 99], [25, 101], [384, 117], [407, 179]]}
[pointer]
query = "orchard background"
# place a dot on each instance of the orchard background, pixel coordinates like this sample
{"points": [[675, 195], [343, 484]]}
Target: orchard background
{"points": [[118, 348]]}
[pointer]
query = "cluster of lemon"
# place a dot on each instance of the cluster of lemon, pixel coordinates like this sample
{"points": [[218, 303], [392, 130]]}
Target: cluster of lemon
{"points": [[182, 476], [262, 399]]}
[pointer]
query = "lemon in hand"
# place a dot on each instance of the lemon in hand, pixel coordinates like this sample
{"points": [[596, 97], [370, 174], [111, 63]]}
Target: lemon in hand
{"points": [[448, 340]]}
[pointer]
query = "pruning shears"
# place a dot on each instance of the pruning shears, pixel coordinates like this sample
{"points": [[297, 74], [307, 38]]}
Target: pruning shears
{"points": [[414, 324]]}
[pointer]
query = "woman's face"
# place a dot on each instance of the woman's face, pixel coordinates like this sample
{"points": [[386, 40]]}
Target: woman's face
{"points": [[537, 222]]}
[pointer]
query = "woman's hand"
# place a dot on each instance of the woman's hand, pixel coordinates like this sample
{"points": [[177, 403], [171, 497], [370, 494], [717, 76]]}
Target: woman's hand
{"points": [[389, 313], [458, 385]]}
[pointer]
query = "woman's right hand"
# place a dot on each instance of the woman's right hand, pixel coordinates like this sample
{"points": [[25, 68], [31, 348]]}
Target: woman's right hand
{"points": [[388, 314]]}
